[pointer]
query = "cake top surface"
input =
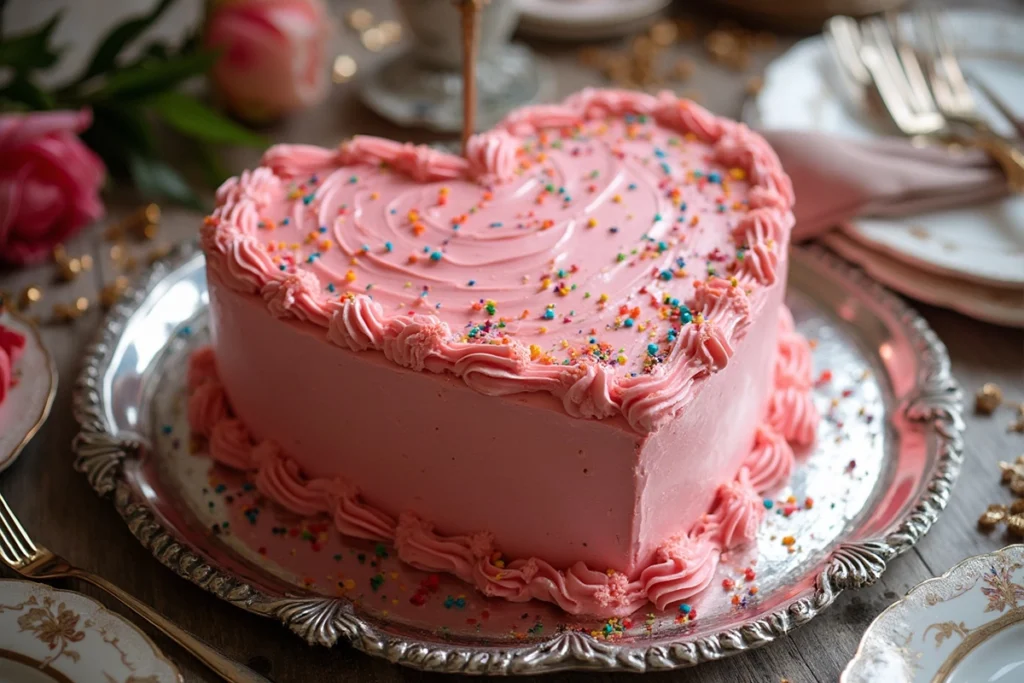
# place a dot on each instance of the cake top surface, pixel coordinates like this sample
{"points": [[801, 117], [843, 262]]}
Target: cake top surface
{"points": [[607, 238]]}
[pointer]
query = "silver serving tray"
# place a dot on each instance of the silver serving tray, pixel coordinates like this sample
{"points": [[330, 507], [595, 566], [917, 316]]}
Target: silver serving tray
{"points": [[889, 450]]}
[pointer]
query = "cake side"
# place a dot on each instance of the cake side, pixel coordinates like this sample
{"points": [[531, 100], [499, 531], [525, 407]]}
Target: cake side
{"points": [[568, 254], [427, 443], [680, 567]]}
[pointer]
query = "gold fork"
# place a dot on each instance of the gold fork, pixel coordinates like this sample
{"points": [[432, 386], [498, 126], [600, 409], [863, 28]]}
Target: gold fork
{"points": [[908, 95], [35, 562]]}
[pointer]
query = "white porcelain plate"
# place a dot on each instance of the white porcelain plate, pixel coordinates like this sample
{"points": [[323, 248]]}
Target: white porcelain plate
{"points": [[49, 635], [966, 626], [982, 243], [998, 305], [28, 403], [586, 19]]}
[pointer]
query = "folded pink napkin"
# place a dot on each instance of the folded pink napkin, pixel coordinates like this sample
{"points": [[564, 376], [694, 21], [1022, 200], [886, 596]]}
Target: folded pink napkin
{"points": [[837, 179]]}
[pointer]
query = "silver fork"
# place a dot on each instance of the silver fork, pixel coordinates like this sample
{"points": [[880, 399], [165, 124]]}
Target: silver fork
{"points": [[35, 562]]}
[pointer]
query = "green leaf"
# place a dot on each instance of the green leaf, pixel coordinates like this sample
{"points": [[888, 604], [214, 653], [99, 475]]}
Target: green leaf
{"points": [[154, 179], [32, 50], [157, 51], [153, 76], [214, 171], [128, 123], [21, 90], [194, 119], [104, 58]]}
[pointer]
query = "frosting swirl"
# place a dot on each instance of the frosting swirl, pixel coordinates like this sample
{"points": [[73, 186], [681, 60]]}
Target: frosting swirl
{"points": [[628, 234]]}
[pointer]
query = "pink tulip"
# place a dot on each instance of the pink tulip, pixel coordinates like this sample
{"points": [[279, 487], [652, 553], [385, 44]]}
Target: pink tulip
{"points": [[49, 182], [272, 55]]}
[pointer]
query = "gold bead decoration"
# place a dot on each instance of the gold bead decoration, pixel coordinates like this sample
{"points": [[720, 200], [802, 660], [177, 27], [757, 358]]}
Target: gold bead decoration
{"points": [[69, 269], [1015, 525], [151, 213], [113, 291], [683, 69], [62, 313], [592, 57], [1017, 507], [359, 19], [344, 68], [991, 518], [664, 33], [390, 31], [988, 398], [30, 295], [114, 232], [145, 223], [373, 40], [1017, 485]]}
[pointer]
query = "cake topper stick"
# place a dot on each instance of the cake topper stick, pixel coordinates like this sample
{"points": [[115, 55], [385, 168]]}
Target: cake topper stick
{"points": [[470, 9]]}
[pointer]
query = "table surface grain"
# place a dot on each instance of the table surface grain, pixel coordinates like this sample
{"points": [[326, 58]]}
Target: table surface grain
{"points": [[62, 512]]}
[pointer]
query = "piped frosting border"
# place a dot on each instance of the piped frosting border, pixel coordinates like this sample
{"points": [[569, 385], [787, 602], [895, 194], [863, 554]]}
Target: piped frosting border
{"points": [[721, 308], [681, 568]]}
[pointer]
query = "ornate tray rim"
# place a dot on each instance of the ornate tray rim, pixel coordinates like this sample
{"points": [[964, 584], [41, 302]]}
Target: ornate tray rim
{"points": [[935, 403]]}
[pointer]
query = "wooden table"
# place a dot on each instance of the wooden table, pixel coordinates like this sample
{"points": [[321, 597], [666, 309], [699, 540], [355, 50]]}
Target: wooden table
{"points": [[62, 511]]}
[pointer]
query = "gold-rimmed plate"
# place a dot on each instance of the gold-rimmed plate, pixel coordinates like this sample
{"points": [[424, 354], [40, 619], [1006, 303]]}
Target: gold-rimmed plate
{"points": [[28, 403], [966, 625], [49, 635]]}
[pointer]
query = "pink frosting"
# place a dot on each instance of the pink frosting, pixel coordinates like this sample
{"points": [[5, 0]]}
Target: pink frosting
{"points": [[493, 155], [681, 568], [792, 414], [207, 405], [202, 367], [613, 251], [771, 461], [737, 512], [556, 257]]}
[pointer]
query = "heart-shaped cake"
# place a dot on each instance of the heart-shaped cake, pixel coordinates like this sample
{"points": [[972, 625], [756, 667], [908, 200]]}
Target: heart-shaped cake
{"points": [[559, 367]]}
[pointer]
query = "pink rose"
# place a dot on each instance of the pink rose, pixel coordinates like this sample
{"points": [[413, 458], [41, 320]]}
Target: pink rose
{"points": [[273, 55], [49, 182], [12, 343]]}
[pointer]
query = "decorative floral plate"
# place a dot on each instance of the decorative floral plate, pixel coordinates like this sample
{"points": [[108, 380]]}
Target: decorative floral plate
{"points": [[49, 635], [964, 626], [28, 403]]}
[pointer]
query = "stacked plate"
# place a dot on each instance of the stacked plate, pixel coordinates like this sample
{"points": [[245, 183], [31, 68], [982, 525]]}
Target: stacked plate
{"points": [[586, 19], [969, 259]]}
